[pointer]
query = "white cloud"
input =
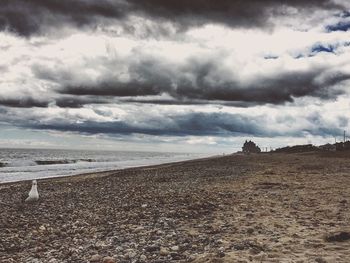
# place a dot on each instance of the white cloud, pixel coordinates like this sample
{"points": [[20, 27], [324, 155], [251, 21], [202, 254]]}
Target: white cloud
{"points": [[39, 67]]}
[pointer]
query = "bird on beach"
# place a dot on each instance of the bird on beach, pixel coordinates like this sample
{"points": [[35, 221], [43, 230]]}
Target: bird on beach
{"points": [[33, 194]]}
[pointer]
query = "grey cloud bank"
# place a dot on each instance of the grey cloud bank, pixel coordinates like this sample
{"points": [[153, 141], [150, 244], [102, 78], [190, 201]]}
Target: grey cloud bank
{"points": [[197, 80], [176, 68], [32, 17]]}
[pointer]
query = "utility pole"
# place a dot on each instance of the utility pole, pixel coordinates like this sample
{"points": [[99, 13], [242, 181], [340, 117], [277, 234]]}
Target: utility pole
{"points": [[344, 136]]}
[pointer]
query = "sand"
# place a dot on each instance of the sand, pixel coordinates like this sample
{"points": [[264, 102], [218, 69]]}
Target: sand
{"points": [[237, 208]]}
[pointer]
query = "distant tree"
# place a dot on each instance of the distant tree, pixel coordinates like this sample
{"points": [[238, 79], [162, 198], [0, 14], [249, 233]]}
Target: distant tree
{"points": [[250, 147]]}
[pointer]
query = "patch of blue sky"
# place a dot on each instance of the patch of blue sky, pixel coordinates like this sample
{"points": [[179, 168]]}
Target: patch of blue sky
{"points": [[323, 48], [319, 48], [344, 14], [340, 26]]}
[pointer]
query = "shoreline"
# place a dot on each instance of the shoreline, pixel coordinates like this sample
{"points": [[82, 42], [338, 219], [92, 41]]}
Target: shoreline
{"points": [[109, 170], [233, 208]]}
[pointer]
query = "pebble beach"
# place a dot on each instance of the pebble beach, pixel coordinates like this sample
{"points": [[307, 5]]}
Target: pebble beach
{"points": [[234, 208]]}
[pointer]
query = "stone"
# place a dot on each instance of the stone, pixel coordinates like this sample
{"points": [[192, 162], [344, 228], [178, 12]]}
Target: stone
{"points": [[132, 254], [100, 244], [250, 231], [109, 260], [221, 254], [164, 251], [175, 256], [152, 248], [175, 248], [139, 229], [338, 237], [320, 260], [95, 258]]}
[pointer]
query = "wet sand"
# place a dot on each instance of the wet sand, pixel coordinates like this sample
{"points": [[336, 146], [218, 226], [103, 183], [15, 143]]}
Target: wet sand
{"points": [[237, 208]]}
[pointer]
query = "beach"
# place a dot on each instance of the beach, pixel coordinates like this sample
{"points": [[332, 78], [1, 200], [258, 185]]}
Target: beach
{"points": [[234, 208]]}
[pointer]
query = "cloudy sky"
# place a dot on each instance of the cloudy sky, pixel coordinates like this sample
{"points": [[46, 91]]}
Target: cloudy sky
{"points": [[175, 75]]}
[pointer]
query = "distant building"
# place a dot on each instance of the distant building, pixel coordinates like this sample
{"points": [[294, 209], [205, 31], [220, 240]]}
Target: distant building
{"points": [[297, 149], [250, 147], [343, 146], [328, 147]]}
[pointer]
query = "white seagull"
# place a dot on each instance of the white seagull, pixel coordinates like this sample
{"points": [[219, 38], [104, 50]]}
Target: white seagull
{"points": [[33, 194]]}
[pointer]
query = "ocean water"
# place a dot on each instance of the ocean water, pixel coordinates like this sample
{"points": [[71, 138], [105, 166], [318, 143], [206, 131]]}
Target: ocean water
{"points": [[28, 164]]}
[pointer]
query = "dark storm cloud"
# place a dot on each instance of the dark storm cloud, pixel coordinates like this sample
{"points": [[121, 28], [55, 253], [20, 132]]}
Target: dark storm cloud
{"points": [[197, 82], [79, 102], [178, 124], [115, 88], [59, 101], [191, 124], [252, 13], [29, 17], [23, 103], [275, 89], [202, 124], [240, 104]]}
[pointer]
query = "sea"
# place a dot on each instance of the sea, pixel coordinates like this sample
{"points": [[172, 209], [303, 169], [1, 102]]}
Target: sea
{"points": [[29, 164]]}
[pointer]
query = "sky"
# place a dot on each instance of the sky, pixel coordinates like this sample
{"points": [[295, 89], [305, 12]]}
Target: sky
{"points": [[175, 75]]}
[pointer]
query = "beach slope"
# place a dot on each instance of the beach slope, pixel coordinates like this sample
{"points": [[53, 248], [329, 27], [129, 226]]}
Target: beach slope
{"points": [[237, 208]]}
